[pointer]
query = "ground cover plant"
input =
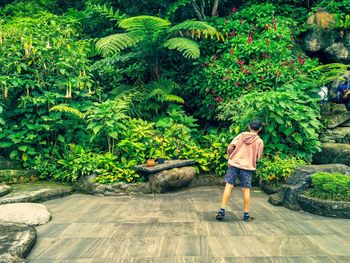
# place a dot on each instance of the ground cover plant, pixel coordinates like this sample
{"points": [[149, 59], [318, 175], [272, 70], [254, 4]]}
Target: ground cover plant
{"points": [[330, 186]]}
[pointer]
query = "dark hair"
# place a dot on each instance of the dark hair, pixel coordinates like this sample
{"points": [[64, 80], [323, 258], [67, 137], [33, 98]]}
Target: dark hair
{"points": [[255, 125]]}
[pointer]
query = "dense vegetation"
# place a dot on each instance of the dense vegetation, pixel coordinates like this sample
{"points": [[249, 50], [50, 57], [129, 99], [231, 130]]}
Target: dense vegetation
{"points": [[330, 186], [99, 86]]}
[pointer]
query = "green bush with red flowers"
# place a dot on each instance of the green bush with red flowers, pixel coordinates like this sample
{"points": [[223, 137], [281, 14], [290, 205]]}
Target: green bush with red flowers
{"points": [[259, 53]]}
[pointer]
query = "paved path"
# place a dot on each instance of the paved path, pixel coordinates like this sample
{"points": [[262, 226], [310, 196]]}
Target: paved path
{"points": [[180, 227]]}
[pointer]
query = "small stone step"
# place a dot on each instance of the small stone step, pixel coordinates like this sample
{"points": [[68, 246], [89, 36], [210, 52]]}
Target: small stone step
{"points": [[333, 153], [333, 121], [336, 135], [17, 176]]}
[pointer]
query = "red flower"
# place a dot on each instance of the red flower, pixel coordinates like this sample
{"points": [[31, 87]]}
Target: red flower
{"points": [[242, 68], [278, 74], [266, 55], [240, 62], [247, 72], [249, 39], [248, 87], [233, 10], [266, 27], [274, 23], [214, 57], [237, 84], [228, 71], [262, 78], [233, 33], [289, 47], [231, 51], [218, 99], [301, 61]]}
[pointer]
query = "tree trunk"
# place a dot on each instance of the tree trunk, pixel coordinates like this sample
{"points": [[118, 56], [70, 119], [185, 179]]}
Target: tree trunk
{"points": [[215, 8]]}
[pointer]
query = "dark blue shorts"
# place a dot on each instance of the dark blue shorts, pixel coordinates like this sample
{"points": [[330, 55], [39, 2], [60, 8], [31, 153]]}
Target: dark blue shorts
{"points": [[245, 176]]}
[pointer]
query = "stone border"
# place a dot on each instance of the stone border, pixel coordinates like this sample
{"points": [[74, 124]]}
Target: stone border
{"points": [[339, 209], [269, 189]]}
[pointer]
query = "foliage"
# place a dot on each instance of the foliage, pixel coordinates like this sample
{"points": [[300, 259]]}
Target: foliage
{"points": [[259, 54], [330, 186], [42, 63], [290, 118], [275, 171]]}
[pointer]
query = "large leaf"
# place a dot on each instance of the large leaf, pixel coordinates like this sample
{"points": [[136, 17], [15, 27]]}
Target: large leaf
{"points": [[188, 48], [117, 42]]}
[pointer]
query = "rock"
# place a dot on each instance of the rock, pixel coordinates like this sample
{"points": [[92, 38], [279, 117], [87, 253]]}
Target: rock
{"points": [[4, 190], [339, 209], [24, 213], [300, 181], [345, 124], [48, 192], [87, 185], [321, 40], [336, 120], [333, 153], [17, 176], [336, 135], [5, 164], [171, 179], [16, 242], [206, 180]]}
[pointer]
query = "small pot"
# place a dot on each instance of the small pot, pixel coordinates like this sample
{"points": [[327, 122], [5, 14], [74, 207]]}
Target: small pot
{"points": [[150, 163]]}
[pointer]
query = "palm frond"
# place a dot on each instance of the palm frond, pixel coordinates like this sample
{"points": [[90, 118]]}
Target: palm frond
{"points": [[115, 43], [67, 108], [166, 85], [144, 24], [187, 47], [195, 29]]}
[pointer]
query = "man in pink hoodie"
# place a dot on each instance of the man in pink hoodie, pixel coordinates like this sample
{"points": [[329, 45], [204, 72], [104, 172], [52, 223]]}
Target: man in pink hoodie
{"points": [[243, 153]]}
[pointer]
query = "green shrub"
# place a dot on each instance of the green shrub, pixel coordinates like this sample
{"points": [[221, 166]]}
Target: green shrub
{"points": [[330, 186], [290, 119], [276, 171], [258, 54]]}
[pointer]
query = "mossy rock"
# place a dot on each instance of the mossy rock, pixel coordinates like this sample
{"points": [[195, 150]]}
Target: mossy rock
{"points": [[333, 153], [18, 176]]}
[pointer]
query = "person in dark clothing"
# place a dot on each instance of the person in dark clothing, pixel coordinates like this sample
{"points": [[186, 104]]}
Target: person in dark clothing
{"points": [[343, 94]]}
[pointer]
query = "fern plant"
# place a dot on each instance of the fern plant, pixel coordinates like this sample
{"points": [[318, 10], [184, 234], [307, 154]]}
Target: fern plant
{"points": [[153, 35]]}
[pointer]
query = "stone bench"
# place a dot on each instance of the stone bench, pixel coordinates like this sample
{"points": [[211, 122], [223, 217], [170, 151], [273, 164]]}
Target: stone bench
{"points": [[168, 176]]}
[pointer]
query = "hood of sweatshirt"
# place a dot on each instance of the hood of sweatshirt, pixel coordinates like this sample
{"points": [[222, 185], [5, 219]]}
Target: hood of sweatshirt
{"points": [[249, 137]]}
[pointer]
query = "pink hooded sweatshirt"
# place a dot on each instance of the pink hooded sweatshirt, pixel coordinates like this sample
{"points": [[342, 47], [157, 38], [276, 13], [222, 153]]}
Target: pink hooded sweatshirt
{"points": [[245, 150]]}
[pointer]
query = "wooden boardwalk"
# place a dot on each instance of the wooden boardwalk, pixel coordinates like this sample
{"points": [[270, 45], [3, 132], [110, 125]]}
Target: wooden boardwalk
{"points": [[180, 227]]}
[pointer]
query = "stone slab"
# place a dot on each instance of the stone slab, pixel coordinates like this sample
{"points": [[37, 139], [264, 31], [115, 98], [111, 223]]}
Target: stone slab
{"points": [[16, 242], [4, 190], [336, 120], [333, 153], [345, 124], [25, 213], [36, 192], [336, 135], [165, 166]]}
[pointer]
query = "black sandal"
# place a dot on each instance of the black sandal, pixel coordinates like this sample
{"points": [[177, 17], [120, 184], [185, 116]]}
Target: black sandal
{"points": [[220, 216]]}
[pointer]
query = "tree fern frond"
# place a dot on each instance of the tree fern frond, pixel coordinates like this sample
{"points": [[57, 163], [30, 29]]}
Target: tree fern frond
{"points": [[117, 42], [143, 24], [196, 28], [107, 12], [166, 85], [173, 98], [67, 108], [188, 48]]}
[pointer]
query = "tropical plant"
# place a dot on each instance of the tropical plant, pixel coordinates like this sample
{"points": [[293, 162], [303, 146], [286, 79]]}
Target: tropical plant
{"points": [[330, 186], [259, 53], [291, 120], [275, 170]]}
